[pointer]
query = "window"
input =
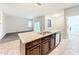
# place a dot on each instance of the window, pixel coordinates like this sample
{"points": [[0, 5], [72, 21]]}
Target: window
{"points": [[30, 23], [37, 26]]}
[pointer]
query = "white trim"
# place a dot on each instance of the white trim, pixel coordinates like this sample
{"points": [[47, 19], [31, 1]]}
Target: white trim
{"points": [[2, 36]]}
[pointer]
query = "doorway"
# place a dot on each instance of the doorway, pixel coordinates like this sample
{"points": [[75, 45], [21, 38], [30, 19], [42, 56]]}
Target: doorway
{"points": [[72, 43], [73, 26]]}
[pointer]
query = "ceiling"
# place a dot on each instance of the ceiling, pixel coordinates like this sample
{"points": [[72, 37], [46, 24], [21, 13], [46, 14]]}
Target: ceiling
{"points": [[30, 10]]}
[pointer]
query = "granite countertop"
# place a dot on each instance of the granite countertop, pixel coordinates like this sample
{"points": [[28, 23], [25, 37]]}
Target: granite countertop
{"points": [[31, 36]]}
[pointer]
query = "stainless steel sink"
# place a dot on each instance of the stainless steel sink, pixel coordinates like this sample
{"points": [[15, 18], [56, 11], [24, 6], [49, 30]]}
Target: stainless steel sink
{"points": [[43, 33]]}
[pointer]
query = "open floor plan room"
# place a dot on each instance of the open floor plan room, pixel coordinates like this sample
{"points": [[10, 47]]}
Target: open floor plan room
{"points": [[39, 28]]}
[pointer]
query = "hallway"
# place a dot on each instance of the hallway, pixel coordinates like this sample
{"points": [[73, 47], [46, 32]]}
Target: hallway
{"points": [[70, 46]]}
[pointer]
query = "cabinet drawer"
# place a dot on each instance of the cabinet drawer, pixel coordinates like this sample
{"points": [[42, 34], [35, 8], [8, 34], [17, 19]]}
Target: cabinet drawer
{"points": [[36, 50], [33, 43], [52, 36], [45, 39]]}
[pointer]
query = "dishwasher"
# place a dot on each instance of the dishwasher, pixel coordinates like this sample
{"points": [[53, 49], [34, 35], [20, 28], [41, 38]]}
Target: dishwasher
{"points": [[58, 38]]}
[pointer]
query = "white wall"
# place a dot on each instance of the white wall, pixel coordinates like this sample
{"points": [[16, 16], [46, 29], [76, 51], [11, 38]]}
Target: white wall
{"points": [[16, 24], [72, 11], [3, 25], [0, 27], [57, 22]]}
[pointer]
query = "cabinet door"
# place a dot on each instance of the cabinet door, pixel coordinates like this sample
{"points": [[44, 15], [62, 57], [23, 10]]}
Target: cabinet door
{"points": [[34, 50], [52, 43], [45, 47]]}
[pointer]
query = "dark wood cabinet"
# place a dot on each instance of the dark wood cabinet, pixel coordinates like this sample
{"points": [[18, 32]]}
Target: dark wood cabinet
{"points": [[45, 45], [34, 50], [52, 42], [42, 46]]}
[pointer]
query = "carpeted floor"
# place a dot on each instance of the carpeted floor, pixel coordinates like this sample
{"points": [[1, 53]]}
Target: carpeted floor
{"points": [[9, 37]]}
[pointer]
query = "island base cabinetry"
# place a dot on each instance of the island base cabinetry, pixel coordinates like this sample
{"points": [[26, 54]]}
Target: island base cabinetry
{"points": [[52, 42], [41, 46], [34, 50], [45, 46]]}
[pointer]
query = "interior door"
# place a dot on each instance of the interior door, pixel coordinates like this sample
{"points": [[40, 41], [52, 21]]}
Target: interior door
{"points": [[73, 22]]}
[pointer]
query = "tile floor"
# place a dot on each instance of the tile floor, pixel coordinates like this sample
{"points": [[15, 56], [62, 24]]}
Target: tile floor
{"points": [[10, 48], [67, 46], [10, 44]]}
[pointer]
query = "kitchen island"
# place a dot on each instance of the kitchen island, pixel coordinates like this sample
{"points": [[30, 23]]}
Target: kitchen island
{"points": [[33, 43]]}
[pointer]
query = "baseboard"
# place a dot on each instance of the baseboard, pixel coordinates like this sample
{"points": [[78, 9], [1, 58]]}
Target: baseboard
{"points": [[19, 32], [2, 36]]}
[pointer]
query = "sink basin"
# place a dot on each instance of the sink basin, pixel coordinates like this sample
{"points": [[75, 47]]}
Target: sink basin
{"points": [[43, 33]]}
